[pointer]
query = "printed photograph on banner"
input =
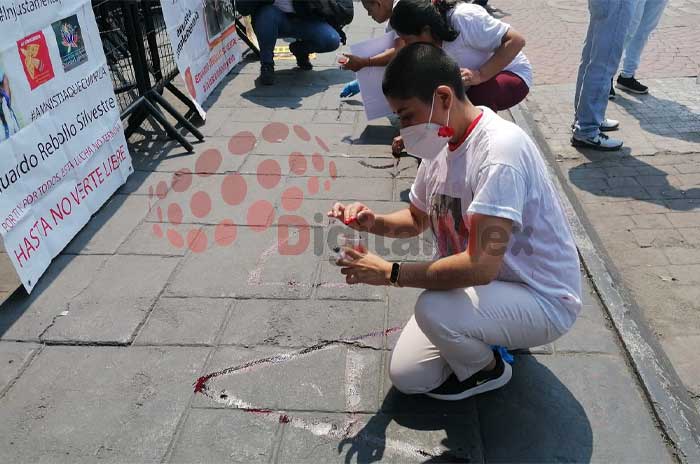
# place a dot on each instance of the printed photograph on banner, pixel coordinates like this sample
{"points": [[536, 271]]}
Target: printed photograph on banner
{"points": [[70, 42], [10, 121], [218, 16], [34, 53]]}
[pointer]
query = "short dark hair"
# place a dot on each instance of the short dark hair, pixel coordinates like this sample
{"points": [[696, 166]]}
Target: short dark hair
{"points": [[418, 69]]}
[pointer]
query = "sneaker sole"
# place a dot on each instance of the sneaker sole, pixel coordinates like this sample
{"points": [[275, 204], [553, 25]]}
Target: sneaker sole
{"points": [[581, 144], [483, 388], [627, 89], [609, 129]]}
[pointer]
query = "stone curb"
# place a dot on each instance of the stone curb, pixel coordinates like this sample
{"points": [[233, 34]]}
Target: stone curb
{"points": [[667, 395]]}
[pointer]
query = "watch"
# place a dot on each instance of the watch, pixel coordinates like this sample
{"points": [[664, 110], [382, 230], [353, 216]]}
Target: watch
{"points": [[394, 277]]}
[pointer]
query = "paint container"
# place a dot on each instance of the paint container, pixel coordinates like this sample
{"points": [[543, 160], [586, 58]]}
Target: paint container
{"points": [[353, 241], [341, 59]]}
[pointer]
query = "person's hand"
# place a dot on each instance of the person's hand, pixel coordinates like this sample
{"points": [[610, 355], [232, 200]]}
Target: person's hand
{"points": [[354, 63], [471, 77], [364, 268], [351, 88], [397, 146], [356, 216]]}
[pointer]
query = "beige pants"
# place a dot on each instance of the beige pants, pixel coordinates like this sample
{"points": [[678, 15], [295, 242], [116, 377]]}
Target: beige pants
{"points": [[452, 331]]}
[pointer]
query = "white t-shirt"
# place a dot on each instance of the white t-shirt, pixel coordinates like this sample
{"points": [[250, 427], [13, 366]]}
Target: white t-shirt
{"points": [[498, 171], [480, 34]]}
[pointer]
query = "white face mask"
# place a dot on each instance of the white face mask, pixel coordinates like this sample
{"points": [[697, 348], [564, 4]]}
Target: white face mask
{"points": [[424, 140]]}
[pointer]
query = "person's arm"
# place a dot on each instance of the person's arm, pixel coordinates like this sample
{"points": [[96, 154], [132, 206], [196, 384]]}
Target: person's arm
{"points": [[479, 265], [356, 63], [511, 44], [408, 222]]}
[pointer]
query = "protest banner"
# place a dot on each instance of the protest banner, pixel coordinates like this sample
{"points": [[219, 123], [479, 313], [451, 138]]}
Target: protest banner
{"points": [[62, 147], [205, 42]]}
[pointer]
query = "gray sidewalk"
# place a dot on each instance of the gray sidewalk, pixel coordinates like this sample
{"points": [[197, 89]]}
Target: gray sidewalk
{"points": [[199, 269]]}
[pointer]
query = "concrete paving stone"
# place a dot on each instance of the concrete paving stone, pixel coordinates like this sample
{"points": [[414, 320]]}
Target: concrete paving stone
{"points": [[289, 323], [296, 167], [9, 280], [552, 399], [677, 349], [659, 238], [260, 114], [682, 255], [312, 101], [648, 206], [331, 285], [626, 256], [192, 206], [220, 435], [149, 239], [139, 182], [604, 208], [184, 321], [337, 142], [393, 438], [115, 303], [691, 235], [110, 226], [591, 333], [82, 404], [684, 205], [651, 221], [329, 379], [215, 119], [348, 189], [688, 168], [25, 317], [672, 192], [13, 358], [250, 267], [684, 219], [334, 117]]}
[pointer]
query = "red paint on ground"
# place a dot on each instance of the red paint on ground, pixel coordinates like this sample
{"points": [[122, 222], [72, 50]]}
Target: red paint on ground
{"points": [[234, 189], [275, 132], [322, 144], [313, 185], [197, 240], [333, 170], [297, 163], [208, 162], [292, 198], [302, 133], [161, 190], [225, 232], [242, 143], [269, 174], [174, 214], [175, 239], [200, 204], [182, 180], [317, 161], [260, 215]]}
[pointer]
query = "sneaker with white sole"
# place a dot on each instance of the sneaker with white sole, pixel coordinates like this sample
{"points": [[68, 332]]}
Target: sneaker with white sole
{"points": [[609, 125], [481, 382], [601, 142]]}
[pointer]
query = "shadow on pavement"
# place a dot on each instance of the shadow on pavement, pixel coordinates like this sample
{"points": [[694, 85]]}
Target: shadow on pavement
{"points": [[679, 112], [535, 418]]}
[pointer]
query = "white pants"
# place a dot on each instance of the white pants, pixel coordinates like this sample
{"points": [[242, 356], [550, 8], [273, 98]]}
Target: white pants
{"points": [[452, 331]]}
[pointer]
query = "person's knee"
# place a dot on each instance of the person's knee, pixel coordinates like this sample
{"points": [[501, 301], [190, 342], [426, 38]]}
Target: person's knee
{"points": [[328, 41], [432, 312], [404, 377]]}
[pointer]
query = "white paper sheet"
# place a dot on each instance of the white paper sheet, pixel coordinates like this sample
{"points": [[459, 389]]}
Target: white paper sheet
{"points": [[370, 78]]}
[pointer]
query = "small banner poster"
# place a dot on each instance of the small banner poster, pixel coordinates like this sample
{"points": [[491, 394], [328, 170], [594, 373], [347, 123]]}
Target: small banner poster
{"points": [[205, 42], [62, 147]]}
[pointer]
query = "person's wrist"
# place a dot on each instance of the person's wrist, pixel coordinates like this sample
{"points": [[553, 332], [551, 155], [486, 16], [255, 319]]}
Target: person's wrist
{"points": [[388, 266]]}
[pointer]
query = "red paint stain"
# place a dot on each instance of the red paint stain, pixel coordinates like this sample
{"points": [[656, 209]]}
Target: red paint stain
{"points": [[275, 132], [260, 215], [161, 190], [200, 204], [197, 240], [327, 185], [234, 189], [208, 162], [159, 214], [292, 198], [174, 214], [175, 239], [313, 185], [225, 233], [297, 163], [157, 230], [242, 143], [201, 384], [322, 144], [302, 133], [269, 174], [333, 170], [284, 419], [317, 161], [182, 180]]}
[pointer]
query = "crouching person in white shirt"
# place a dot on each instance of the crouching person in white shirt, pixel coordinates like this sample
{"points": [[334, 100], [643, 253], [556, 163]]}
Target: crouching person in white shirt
{"points": [[508, 270]]}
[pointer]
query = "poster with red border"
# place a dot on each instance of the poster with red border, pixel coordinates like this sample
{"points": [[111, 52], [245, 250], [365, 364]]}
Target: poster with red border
{"points": [[62, 148], [205, 43]]}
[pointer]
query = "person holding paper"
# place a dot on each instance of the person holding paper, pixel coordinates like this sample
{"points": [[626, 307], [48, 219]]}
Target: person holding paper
{"points": [[488, 51], [508, 269], [380, 11]]}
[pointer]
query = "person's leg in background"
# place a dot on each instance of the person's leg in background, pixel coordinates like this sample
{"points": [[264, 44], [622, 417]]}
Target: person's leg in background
{"points": [[452, 332], [503, 91], [643, 24], [269, 23], [313, 36], [609, 20]]}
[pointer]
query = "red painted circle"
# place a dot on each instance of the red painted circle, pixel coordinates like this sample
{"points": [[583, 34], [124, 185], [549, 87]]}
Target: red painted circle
{"points": [[333, 170], [327, 185], [241, 143], [197, 240], [175, 238], [162, 189], [275, 132], [174, 214], [322, 144], [302, 133], [200, 204], [157, 230], [234, 189], [260, 215], [313, 185], [297, 163], [317, 161], [269, 174], [225, 233], [292, 198], [208, 162], [182, 180]]}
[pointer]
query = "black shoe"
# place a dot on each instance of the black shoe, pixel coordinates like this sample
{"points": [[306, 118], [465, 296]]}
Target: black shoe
{"points": [[267, 74], [631, 84], [481, 2], [612, 94], [303, 61], [453, 390]]}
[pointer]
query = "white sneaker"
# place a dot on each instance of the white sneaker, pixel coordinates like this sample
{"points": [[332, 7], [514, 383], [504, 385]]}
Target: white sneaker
{"points": [[609, 125], [601, 142]]}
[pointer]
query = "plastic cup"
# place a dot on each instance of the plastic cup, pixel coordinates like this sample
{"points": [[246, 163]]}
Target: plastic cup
{"points": [[342, 59], [356, 242]]}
